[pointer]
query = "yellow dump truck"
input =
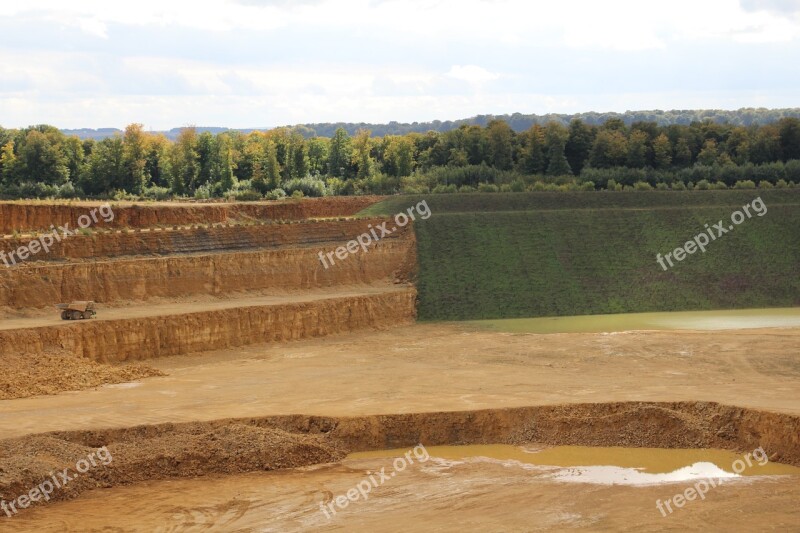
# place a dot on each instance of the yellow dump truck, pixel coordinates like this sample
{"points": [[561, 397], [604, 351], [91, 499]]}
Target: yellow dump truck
{"points": [[77, 310]]}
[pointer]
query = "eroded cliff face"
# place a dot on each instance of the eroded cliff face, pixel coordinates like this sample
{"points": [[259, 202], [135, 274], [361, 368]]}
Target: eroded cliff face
{"points": [[143, 338], [22, 216], [215, 274], [166, 241]]}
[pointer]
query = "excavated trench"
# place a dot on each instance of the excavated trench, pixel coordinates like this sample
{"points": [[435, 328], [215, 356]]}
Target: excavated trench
{"points": [[271, 443]]}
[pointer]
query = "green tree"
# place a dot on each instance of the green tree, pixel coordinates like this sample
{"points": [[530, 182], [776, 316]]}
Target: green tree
{"points": [[9, 165], [610, 149], [532, 154], [299, 155], [556, 139], [500, 141], [134, 159], [361, 158], [399, 156], [708, 155], [340, 154], [662, 152], [75, 157], [318, 155], [206, 151], [579, 144], [41, 158], [765, 146], [271, 167], [157, 160], [184, 163], [683, 153], [105, 167], [224, 164], [789, 132], [637, 149]]}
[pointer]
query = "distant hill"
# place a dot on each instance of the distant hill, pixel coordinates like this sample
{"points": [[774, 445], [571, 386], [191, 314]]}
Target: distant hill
{"points": [[518, 121]]}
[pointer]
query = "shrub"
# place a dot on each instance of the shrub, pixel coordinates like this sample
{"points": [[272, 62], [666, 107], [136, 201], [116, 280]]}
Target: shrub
{"points": [[791, 171], [781, 184], [276, 194], [661, 186], [703, 185], [68, 190], [203, 192], [538, 186], [487, 187], [156, 193], [642, 186], [335, 186], [720, 185], [745, 184], [443, 189], [297, 194], [519, 186], [586, 186], [765, 185], [678, 186], [247, 196], [313, 187], [466, 188]]}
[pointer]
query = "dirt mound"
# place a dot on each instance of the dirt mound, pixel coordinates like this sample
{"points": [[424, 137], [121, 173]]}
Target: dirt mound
{"points": [[54, 372], [173, 451], [233, 446]]}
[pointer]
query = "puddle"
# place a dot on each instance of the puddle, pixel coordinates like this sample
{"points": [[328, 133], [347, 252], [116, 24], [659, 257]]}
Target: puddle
{"points": [[612, 465], [696, 320]]}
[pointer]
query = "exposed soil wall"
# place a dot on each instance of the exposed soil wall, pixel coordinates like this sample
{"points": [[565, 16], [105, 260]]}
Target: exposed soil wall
{"points": [[232, 446], [20, 216], [213, 274], [158, 336], [199, 239]]}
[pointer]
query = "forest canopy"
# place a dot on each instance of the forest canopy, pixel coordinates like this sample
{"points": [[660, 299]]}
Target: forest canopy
{"points": [[42, 161]]}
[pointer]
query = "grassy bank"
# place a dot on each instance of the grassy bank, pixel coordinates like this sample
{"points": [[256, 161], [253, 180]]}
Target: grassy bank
{"points": [[595, 253]]}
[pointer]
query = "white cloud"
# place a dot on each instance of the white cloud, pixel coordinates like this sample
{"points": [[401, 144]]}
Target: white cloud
{"points": [[92, 26], [471, 74], [266, 62]]}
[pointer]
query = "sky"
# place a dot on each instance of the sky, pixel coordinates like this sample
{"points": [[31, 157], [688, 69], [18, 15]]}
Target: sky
{"points": [[266, 63]]}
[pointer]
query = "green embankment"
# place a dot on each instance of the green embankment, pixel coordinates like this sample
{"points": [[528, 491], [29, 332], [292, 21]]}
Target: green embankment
{"points": [[552, 254]]}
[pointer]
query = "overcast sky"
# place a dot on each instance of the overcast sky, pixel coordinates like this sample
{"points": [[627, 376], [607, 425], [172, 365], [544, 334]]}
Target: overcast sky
{"points": [[262, 63]]}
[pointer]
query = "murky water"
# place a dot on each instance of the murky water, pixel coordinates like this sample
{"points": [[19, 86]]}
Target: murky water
{"points": [[460, 488], [614, 465], [697, 320]]}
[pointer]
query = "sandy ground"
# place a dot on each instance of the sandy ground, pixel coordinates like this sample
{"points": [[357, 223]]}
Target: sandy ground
{"points": [[437, 495], [424, 368]]}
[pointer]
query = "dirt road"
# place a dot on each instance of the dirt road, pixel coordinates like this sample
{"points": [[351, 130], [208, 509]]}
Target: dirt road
{"points": [[423, 368]]}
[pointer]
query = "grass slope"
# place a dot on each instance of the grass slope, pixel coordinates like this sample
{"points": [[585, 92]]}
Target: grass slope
{"points": [[579, 254]]}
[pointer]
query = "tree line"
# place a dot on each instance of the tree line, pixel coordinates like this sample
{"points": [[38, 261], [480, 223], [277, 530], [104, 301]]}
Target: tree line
{"points": [[41, 161]]}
